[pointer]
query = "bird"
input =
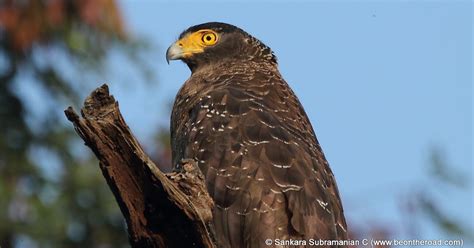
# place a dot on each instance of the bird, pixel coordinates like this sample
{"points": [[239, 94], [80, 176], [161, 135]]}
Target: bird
{"points": [[247, 131]]}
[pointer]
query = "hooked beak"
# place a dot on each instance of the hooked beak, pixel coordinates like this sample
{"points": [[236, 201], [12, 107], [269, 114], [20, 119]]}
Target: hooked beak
{"points": [[174, 52]]}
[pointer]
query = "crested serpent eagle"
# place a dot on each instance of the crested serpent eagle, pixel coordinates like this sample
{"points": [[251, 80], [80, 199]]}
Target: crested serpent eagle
{"points": [[238, 118]]}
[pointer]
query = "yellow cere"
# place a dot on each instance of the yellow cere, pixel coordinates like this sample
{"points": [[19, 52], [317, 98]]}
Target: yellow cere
{"points": [[197, 41]]}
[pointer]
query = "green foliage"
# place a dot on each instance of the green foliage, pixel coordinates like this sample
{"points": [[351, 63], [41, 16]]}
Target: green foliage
{"points": [[52, 193], [445, 177]]}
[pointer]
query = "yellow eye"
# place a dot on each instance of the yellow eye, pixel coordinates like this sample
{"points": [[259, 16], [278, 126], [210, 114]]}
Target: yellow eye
{"points": [[209, 38]]}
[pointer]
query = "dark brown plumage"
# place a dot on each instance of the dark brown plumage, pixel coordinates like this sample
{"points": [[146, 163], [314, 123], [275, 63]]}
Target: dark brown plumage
{"points": [[254, 143]]}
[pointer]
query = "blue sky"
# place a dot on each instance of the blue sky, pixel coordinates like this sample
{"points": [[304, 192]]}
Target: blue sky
{"points": [[382, 82]]}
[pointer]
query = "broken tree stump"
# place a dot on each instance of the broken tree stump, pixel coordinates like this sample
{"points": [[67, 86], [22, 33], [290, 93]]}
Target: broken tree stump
{"points": [[161, 210]]}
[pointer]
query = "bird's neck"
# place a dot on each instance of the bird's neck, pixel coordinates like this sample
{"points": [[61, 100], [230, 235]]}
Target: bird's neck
{"points": [[233, 66]]}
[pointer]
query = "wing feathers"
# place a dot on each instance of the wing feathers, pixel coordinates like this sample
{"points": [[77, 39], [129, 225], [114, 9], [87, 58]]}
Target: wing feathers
{"points": [[263, 165]]}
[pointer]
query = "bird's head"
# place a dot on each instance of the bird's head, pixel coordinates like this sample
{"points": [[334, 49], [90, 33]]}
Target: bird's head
{"points": [[216, 42]]}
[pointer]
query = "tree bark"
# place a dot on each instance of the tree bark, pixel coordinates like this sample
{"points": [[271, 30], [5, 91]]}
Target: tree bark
{"points": [[161, 210]]}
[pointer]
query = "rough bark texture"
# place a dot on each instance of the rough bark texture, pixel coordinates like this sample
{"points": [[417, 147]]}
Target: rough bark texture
{"points": [[161, 210]]}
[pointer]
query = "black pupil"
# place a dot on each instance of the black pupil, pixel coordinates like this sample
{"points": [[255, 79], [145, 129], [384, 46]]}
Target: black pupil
{"points": [[208, 37]]}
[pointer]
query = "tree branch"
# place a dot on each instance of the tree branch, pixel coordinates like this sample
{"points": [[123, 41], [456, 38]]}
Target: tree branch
{"points": [[161, 210]]}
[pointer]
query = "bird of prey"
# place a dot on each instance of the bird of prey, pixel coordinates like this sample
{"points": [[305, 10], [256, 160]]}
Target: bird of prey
{"points": [[238, 118]]}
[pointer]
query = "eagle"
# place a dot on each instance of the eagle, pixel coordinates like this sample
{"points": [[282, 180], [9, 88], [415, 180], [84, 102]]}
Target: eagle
{"points": [[251, 138]]}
